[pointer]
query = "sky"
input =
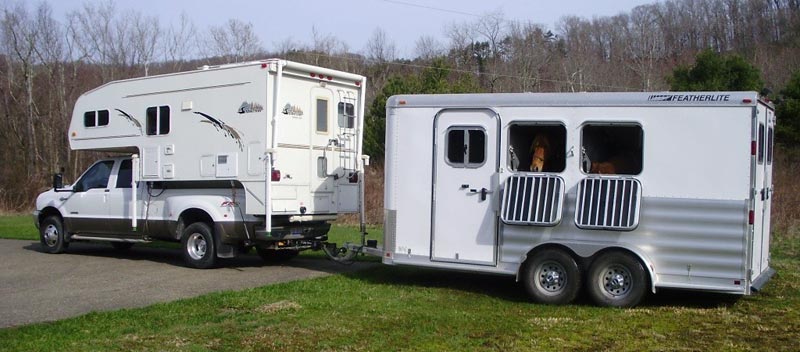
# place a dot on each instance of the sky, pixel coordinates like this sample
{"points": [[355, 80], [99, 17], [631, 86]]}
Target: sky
{"points": [[354, 21]]}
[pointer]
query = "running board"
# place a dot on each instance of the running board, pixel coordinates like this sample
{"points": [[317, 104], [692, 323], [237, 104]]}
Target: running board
{"points": [[107, 239]]}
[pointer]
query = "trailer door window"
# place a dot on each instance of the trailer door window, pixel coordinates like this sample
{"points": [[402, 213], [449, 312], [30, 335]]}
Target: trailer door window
{"points": [[158, 120], [347, 115], [466, 147], [614, 149], [770, 143], [760, 143], [322, 115]]}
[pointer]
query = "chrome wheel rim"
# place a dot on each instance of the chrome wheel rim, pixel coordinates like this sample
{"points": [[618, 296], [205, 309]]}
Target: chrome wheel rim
{"points": [[551, 277], [196, 246], [50, 235], [616, 281]]}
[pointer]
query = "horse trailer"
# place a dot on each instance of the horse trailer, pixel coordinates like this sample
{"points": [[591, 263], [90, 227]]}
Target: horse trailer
{"points": [[617, 194], [261, 154]]}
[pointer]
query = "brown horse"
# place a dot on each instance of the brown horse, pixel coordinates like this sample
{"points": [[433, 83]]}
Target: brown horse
{"points": [[540, 151], [616, 165]]}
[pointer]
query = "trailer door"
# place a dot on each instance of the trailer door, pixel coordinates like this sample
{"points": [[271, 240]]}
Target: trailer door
{"points": [[465, 163], [760, 192], [768, 187]]}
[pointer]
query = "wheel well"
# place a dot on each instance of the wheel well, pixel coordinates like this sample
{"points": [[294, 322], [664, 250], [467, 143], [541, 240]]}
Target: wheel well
{"points": [[549, 246], [647, 269], [49, 211], [190, 216]]}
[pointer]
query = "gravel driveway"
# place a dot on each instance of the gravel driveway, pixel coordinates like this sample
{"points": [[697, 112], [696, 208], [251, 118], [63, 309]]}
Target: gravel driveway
{"points": [[36, 287]]}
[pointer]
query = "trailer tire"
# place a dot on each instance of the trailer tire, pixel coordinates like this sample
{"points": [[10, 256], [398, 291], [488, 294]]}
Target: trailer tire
{"points": [[276, 256], [199, 248], [51, 235], [551, 276], [617, 279]]}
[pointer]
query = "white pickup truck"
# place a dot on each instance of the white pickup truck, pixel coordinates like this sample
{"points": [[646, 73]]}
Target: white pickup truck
{"points": [[206, 217]]}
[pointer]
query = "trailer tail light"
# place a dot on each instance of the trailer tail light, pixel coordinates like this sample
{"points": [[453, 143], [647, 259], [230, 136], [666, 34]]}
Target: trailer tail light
{"points": [[276, 175], [747, 101], [358, 83], [753, 148], [751, 217], [353, 177]]}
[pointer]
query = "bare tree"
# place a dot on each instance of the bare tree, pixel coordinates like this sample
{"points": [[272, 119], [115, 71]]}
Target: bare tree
{"points": [[179, 41], [235, 41], [427, 48], [380, 48]]}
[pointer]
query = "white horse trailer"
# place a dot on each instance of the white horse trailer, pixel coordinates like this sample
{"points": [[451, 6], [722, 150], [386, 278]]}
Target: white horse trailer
{"points": [[625, 192], [262, 153]]}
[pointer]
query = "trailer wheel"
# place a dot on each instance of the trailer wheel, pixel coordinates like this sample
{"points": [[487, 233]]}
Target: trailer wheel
{"points": [[617, 279], [51, 235], [551, 276], [276, 256], [199, 249]]}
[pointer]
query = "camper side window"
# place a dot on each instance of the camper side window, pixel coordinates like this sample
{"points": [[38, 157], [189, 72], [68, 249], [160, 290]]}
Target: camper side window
{"points": [[347, 115], [322, 115], [466, 147], [537, 147], [157, 120], [614, 149], [95, 118]]}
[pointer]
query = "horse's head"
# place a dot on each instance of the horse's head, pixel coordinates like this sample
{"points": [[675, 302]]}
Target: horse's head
{"points": [[539, 152]]}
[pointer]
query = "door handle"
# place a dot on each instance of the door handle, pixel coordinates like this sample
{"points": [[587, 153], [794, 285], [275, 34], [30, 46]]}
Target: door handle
{"points": [[484, 192], [62, 198]]}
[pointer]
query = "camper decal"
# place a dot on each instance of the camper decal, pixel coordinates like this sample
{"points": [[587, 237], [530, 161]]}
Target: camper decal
{"points": [[292, 110], [689, 97], [226, 130], [131, 119], [250, 107]]}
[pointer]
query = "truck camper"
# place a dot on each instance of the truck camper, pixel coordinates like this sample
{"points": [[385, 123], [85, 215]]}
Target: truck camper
{"points": [[224, 158], [617, 194]]}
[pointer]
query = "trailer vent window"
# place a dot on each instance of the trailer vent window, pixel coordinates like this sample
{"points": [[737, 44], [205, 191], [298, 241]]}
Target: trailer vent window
{"points": [[322, 115], [466, 147], [347, 115], [537, 147], [532, 200], [608, 203], [95, 118], [158, 120], [612, 149]]}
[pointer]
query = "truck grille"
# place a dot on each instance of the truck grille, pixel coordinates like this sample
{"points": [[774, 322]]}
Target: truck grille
{"points": [[532, 200], [608, 203]]}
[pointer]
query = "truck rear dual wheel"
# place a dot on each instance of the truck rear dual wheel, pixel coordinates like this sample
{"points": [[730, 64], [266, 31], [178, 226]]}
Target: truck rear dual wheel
{"points": [[199, 248], [51, 235], [617, 279], [551, 276]]}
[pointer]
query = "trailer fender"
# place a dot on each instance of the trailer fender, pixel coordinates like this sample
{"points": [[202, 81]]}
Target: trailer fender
{"points": [[584, 252]]}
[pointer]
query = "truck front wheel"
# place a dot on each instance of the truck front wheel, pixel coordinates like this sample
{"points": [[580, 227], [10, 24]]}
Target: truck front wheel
{"points": [[51, 235], [199, 249]]}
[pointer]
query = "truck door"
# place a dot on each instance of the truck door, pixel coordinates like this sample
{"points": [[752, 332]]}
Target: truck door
{"points": [[465, 167], [119, 200], [85, 209]]}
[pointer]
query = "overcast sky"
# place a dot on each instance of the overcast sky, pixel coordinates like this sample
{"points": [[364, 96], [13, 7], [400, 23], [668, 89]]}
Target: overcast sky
{"points": [[353, 21]]}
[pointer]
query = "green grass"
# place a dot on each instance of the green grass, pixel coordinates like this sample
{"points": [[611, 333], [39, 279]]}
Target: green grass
{"points": [[394, 308], [18, 227]]}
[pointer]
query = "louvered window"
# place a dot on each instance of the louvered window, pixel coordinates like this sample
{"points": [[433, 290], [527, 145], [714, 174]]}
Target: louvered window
{"points": [[532, 200], [608, 203]]}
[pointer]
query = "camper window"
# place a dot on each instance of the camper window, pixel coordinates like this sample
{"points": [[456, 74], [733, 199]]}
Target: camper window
{"points": [[760, 143], [466, 147], [537, 147], [158, 120], [322, 115], [95, 118], [347, 115], [612, 149]]}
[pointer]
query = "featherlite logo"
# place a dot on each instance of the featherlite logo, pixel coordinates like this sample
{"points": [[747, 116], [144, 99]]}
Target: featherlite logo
{"points": [[689, 97]]}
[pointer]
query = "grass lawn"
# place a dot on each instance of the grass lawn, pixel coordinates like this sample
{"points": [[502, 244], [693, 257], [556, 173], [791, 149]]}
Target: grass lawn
{"points": [[393, 308]]}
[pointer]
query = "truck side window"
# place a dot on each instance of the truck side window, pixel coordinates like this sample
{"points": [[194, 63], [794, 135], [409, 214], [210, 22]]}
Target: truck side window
{"points": [[96, 176], [466, 147], [614, 149], [124, 177], [157, 120]]}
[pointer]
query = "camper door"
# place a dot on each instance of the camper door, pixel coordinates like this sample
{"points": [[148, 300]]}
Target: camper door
{"points": [[465, 163]]}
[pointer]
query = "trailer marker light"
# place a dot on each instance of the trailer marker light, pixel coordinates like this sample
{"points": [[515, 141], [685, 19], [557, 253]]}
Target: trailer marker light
{"points": [[358, 84], [401, 102], [737, 282], [276, 175], [263, 65], [753, 148], [330, 78], [747, 101], [313, 75], [751, 217]]}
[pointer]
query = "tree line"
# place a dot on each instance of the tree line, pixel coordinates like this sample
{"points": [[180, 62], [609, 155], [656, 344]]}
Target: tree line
{"points": [[47, 62]]}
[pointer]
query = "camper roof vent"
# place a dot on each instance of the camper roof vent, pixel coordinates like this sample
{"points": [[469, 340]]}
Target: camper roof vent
{"points": [[532, 199], [608, 203]]}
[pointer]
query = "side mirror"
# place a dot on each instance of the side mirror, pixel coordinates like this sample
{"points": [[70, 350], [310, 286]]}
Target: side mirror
{"points": [[58, 180]]}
